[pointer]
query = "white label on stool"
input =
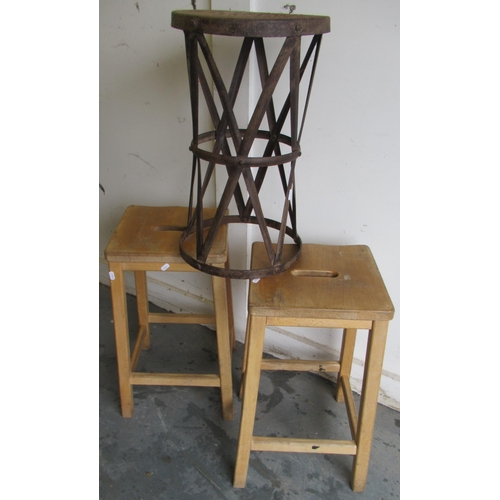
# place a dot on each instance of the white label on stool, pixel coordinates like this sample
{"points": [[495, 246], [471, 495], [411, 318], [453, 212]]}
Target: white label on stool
{"points": [[290, 195], [165, 267], [111, 275], [256, 280]]}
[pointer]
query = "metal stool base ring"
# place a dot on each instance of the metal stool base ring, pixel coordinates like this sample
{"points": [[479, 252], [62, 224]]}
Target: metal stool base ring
{"points": [[241, 273]]}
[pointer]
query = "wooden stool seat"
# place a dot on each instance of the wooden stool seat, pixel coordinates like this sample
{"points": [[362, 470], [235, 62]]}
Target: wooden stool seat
{"points": [[151, 234], [329, 287], [147, 239]]}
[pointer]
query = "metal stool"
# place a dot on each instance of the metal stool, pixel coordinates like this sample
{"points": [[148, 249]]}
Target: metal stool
{"points": [[147, 239], [329, 287], [229, 144]]}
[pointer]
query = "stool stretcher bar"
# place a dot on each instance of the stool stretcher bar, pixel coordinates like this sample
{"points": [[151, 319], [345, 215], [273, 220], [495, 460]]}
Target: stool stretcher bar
{"points": [[300, 365], [195, 319], [170, 379], [176, 379], [324, 446]]}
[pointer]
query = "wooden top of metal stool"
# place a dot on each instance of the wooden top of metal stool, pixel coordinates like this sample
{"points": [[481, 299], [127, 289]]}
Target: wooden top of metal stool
{"points": [[249, 24], [338, 282], [151, 234]]}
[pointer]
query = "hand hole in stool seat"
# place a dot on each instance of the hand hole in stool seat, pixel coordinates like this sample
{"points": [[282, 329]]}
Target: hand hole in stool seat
{"points": [[315, 273], [169, 228]]}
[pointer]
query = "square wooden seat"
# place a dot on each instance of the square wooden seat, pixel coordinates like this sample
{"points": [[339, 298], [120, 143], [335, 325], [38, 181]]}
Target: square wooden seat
{"points": [[329, 287], [147, 239]]}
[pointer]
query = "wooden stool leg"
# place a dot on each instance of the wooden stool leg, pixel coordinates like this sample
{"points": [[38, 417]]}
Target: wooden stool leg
{"points": [[346, 356], [120, 318], [230, 310], [223, 346], [368, 405], [255, 340], [245, 360], [141, 287]]}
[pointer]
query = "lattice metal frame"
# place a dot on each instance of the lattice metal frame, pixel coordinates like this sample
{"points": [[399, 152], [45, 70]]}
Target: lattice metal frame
{"points": [[227, 129]]}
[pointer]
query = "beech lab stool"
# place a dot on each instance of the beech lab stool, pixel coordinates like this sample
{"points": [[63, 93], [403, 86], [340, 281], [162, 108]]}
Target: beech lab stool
{"points": [[147, 239], [329, 287]]}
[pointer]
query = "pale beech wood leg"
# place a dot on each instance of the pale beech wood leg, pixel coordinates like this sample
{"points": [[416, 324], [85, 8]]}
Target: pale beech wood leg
{"points": [[223, 346], [120, 319], [255, 340], [141, 287], [346, 357], [230, 310], [368, 405], [245, 360]]}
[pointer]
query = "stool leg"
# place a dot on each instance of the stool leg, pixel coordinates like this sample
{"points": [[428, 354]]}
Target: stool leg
{"points": [[141, 287], [368, 405], [230, 310], [223, 346], [255, 340], [120, 319], [346, 356], [244, 363]]}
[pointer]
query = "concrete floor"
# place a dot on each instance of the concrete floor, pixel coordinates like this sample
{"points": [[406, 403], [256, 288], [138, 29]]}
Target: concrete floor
{"points": [[176, 446]]}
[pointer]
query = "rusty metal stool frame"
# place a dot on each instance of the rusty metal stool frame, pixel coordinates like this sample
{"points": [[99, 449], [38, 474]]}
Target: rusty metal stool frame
{"points": [[254, 27]]}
